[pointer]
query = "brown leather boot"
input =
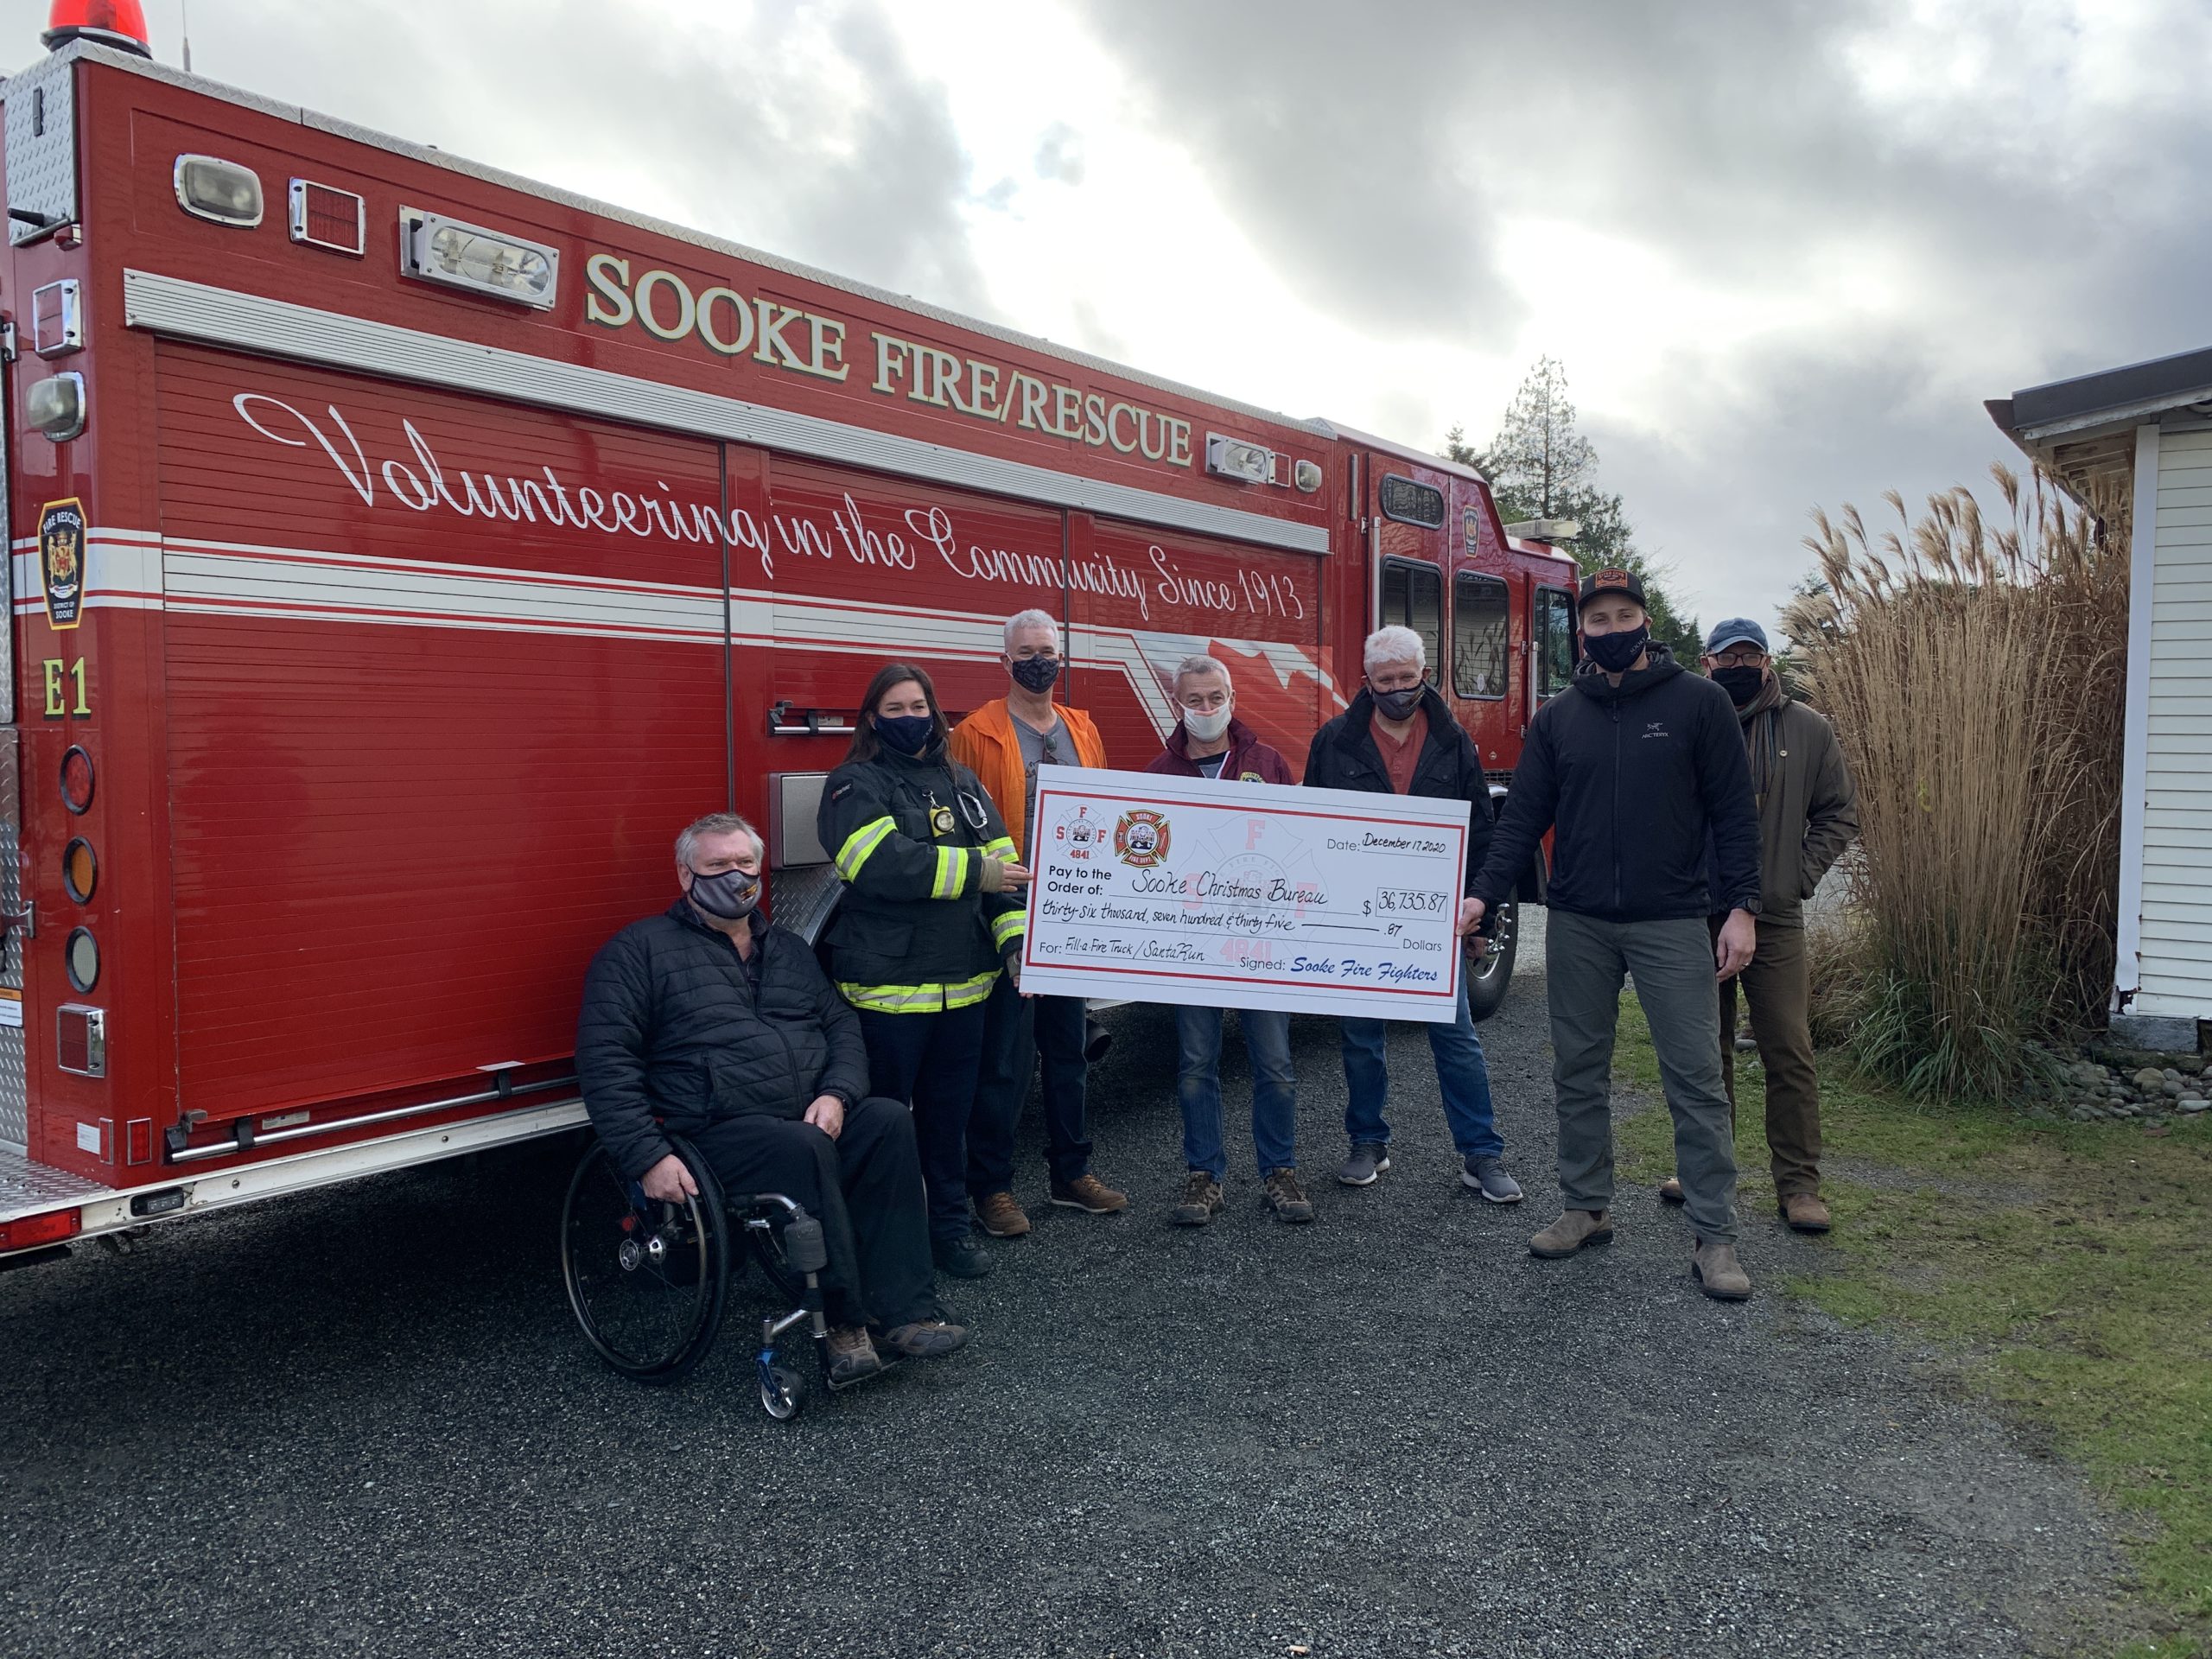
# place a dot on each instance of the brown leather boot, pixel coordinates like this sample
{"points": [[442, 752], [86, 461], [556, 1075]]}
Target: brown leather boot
{"points": [[1805, 1212], [852, 1354], [1574, 1230], [1090, 1194], [997, 1214], [1670, 1190], [1718, 1273]]}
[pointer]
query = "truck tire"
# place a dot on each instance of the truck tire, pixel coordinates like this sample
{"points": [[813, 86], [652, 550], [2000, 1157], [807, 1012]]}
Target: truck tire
{"points": [[1489, 979]]}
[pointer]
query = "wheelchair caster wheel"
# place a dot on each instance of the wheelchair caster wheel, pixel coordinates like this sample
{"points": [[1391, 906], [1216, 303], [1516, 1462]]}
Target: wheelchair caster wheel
{"points": [[783, 1391]]}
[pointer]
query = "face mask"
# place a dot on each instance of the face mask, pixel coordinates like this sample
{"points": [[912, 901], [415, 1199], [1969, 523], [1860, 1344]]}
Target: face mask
{"points": [[908, 734], [1741, 684], [1036, 673], [1616, 653], [730, 895], [1207, 728], [1396, 705]]}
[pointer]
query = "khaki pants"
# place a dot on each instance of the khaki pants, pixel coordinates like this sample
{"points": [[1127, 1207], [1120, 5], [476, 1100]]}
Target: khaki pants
{"points": [[1778, 985], [1584, 962]]}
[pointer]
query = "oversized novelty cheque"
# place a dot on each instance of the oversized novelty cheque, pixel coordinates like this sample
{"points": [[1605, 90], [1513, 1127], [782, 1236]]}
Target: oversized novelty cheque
{"points": [[1245, 895]]}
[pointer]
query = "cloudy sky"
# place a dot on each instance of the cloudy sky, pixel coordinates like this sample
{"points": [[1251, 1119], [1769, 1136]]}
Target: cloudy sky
{"points": [[1785, 249]]}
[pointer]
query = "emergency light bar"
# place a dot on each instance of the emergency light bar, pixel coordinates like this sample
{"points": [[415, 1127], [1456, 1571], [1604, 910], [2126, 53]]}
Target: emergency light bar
{"points": [[468, 257]]}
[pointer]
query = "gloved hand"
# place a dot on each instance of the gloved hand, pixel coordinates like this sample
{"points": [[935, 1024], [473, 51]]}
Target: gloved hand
{"points": [[999, 876]]}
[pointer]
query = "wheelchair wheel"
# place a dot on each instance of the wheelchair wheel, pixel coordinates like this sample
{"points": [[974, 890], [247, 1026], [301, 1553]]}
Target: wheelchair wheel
{"points": [[782, 1390], [646, 1279]]}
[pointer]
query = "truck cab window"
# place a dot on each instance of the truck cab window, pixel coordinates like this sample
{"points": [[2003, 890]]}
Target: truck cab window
{"points": [[1478, 636], [1413, 597], [1555, 625]]}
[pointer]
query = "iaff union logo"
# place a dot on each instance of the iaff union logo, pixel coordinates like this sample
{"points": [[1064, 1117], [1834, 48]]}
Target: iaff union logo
{"points": [[62, 560], [1141, 840]]}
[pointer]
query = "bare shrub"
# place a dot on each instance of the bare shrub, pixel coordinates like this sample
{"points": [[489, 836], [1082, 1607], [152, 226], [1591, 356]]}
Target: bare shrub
{"points": [[1975, 676]]}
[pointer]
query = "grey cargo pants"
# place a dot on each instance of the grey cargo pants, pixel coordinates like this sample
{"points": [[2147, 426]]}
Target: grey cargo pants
{"points": [[1585, 960]]}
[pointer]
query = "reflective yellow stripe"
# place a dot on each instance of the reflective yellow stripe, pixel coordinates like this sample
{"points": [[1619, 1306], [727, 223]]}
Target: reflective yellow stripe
{"points": [[952, 873], [1012, 926], [862, 842], [1003, 848], [919, 999]]}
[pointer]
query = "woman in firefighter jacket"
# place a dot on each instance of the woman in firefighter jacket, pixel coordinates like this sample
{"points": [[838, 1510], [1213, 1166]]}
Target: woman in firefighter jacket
{"points": [[932, 905]]}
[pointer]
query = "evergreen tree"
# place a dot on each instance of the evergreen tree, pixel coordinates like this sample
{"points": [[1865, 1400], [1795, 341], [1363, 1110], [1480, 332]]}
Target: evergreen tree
{"points": [[1540, 466]]}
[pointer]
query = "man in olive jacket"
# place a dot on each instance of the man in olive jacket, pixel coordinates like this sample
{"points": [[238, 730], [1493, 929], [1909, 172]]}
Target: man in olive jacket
{"points": [[1808, 815]]}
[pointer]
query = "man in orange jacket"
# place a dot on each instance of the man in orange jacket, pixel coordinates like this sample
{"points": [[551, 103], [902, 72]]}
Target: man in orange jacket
{"points": [[1003, 743]]}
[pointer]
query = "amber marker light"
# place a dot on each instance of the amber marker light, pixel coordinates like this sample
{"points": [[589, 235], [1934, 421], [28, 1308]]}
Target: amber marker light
{"points": [[80, 870]]}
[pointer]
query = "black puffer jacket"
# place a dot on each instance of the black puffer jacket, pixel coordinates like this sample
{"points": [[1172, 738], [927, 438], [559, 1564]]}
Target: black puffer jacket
{"points": [[674, 1028], [1343, 756]]}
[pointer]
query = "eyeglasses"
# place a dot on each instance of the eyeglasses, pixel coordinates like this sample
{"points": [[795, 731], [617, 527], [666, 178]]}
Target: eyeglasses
{"points": [[1740, 659]]}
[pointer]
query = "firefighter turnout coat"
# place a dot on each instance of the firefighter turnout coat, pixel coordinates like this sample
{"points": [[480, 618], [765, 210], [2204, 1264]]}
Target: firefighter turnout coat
{"points": [[916, 933]]}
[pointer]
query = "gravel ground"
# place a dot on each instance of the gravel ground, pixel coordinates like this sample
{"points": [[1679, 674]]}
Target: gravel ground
{"points": [[360, 1422]]}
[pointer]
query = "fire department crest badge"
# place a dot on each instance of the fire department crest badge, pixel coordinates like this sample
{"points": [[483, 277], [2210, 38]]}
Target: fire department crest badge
{"points": [[1141, 840], [62, 560]]}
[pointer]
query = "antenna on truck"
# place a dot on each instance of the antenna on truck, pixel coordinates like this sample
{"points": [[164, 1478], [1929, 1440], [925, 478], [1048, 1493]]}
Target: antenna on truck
{"points": [[118, 24], [184, 18]]}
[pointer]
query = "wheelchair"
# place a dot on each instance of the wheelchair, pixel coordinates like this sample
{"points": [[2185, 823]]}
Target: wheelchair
{"points": [[649, 1280]]}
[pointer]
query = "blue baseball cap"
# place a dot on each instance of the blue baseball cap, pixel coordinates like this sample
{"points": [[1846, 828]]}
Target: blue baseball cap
{"points": [[1736, 631]]}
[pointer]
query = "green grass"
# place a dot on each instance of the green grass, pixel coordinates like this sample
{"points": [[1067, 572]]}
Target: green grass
{"points": [[2069, 1265]]}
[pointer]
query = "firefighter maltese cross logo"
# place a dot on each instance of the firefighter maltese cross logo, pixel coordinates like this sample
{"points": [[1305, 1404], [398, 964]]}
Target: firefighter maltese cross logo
{"points": [[62, 560], [1141, 840]]}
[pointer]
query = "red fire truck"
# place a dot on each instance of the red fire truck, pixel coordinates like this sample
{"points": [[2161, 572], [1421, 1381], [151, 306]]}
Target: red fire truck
{"points": [[402, 550]]}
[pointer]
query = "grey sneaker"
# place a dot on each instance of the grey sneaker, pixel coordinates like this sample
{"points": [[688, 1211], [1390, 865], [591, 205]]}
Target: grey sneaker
{"points": [[1369, 1159], [1201, 1201], [1286, 1198], [1488, 1177]]}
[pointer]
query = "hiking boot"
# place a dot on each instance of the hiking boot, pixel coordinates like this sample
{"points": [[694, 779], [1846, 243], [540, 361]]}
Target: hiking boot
{"points": [[1089, 1194], [1805, 1212], [1286, 1198], [1575, 1229], [1670, 1190], [926, 1338], [997, 1214], [852, 1355], [961, 1258], [1488, 1177], [1718, 1273], [1201, 1201], [1369, 1159]]}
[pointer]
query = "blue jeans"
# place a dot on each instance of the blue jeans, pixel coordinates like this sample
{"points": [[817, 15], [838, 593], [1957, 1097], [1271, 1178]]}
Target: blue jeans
{"points": [[1197, 1089], [1462, 1077]]}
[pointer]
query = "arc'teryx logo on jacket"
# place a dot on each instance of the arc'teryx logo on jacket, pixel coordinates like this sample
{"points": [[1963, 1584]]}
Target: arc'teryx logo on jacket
{"points": [[1632, 777]]}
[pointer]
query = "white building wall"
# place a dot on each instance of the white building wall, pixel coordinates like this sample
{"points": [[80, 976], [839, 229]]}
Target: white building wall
{"points": [[2175, 929]]}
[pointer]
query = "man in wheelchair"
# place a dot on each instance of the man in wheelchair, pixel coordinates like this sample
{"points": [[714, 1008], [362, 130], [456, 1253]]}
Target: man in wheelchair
{"points": [[706, 1022]]}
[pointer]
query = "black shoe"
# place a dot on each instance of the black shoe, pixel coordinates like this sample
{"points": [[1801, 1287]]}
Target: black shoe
{"points": [[961, 1258]]}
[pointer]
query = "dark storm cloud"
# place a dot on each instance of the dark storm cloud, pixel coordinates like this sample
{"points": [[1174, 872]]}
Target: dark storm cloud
{"points": [[2010, 226], [807, 134]]}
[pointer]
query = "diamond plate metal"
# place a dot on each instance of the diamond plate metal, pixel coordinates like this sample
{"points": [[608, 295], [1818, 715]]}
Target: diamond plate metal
{"points": [[26, 1187], [802, 900], [43, 163], [15, 1074]]}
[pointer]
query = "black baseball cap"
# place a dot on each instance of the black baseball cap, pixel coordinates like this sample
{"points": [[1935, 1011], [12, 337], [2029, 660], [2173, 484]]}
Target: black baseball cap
{"points": [[1612, 579]]}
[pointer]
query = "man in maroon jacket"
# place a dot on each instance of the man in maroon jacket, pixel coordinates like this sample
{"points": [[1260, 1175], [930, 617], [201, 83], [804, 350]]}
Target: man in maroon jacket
{"points": [[1209, 741]]}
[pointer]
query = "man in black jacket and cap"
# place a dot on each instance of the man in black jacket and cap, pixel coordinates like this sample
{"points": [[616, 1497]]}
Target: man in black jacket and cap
{"points": [[705, 1021], [1635, 765]]}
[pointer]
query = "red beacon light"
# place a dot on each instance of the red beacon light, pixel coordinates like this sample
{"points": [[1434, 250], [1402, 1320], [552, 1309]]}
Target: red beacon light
{"points": [[118, 23]]}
